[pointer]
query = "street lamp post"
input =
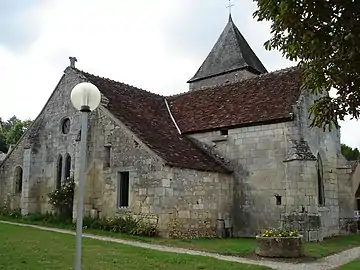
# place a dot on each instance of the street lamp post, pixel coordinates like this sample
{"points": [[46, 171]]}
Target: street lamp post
{"points": [[85, 97]]}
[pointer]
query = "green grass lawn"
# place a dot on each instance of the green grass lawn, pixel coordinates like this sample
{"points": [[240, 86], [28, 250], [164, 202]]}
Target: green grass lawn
{"points": [[27, 248], [354, 265], [231, 246], [332, 245]]}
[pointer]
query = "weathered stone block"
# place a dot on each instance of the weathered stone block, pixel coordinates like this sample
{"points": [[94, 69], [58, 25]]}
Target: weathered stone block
{"points": [[281, 247]]}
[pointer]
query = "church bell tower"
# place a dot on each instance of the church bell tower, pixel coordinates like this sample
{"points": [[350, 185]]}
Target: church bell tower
{"points": [[230, 60]]}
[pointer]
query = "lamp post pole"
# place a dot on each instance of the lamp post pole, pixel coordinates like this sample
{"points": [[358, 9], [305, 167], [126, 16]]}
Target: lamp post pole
{"points": [[82, 173], [85, 97]]}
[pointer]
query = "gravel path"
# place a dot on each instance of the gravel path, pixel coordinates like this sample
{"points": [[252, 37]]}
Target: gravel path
{"points": [[326, 263]]}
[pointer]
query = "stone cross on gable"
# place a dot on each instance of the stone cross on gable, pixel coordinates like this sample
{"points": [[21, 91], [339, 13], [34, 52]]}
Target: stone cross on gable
{"points": [[72, 61], [230, 6]]}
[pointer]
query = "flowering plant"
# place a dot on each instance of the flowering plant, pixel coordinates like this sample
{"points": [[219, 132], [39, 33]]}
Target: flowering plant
{"points": [[61, 199], [279, 233]]}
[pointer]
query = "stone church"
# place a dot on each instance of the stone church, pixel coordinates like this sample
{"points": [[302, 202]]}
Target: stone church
{"points": [[236, 148]]}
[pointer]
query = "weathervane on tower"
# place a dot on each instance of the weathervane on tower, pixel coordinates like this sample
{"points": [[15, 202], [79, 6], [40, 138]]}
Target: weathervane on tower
{"points": [[230, 6]]}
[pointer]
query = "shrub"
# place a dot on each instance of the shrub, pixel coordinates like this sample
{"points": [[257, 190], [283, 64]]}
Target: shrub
{"points": [[121, 224], [279, 233], [48, 218], [62, 199], [15, 213]]}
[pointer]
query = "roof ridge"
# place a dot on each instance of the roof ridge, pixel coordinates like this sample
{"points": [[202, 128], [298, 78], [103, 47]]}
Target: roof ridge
{"points": [[257, 77], [114, 81]]}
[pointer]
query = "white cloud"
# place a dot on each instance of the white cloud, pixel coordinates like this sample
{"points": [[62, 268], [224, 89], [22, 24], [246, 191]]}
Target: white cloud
{"points": [[129, 41]]}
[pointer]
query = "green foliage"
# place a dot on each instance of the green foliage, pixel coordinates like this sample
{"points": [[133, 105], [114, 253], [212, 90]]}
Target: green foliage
{"points": [[279, 233], [349, 153], [121, 224], [5, 211], [323, 35], [61, 199], [11, 131], [48, 218]]}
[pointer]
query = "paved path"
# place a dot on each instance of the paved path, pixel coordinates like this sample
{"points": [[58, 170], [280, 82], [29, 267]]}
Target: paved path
{"points": [[326, 263]]}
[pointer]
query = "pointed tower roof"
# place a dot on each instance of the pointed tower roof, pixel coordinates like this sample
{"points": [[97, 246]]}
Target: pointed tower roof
{"points": [[231, 52]]}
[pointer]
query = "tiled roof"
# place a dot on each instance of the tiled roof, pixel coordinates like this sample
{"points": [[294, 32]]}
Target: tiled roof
{"points": [[146, 115], [231, 52], [265, 98]]}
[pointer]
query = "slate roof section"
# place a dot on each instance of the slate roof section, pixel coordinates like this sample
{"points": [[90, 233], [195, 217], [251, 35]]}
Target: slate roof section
{"points": [[262, 99], [146, 115], [231, 52]]}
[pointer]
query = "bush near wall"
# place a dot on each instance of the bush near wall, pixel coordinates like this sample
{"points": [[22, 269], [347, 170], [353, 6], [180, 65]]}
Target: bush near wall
{"points": [[61, 199], [121, 224]]}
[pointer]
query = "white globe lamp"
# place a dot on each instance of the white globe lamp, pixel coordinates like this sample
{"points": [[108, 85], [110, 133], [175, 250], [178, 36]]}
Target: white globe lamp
{"points": [[85, 96]]}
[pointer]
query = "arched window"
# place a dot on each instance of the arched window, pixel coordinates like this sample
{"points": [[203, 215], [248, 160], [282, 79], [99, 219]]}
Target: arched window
{"points": [[18, 179], [59, 172], [320, 181], [67, 166]]}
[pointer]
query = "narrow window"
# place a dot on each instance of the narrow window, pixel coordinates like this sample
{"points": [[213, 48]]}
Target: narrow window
{"points": [[67, 167], [123, 189], [224, 132], [18, 179], [278, 199], [107, 155], [58, 172], [320, 181], [65, 126]]}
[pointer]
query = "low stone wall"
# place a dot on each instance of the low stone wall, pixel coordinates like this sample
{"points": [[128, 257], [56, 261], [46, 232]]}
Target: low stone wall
{"points": [[348, 226], [308, 225], [279, 247]]}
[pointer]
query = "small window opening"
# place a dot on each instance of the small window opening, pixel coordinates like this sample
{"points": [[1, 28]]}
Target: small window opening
{"points": [[278, 199], [224, 132], [58, 172], [123, 189], [320, 180], [65, 126], [18, 180], [67, 167], [107, 156]]}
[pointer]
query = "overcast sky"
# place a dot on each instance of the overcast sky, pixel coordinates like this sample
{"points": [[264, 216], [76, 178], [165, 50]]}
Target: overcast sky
{"points": [[156, 45]]}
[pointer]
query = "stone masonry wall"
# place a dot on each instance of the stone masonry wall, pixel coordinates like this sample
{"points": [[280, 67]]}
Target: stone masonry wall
{"points": [[183, 202], [256, 154], [327, 145], [9, 197], [41, 147], [230, 77]]}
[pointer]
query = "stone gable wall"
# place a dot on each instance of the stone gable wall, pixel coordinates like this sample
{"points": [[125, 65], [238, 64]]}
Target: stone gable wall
{"points": [[39, 150]]}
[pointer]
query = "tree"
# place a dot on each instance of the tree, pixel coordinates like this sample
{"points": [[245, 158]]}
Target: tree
{"points": [[323, 35], [349, 153], [11, 131]]}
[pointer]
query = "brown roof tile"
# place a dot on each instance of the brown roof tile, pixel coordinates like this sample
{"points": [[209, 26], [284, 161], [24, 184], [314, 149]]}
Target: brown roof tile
{"points": [[146, 115], [265, 98]]}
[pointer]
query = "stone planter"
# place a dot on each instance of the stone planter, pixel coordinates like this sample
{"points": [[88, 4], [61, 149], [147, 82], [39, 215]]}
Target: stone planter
{"points": [[280, 247]]}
